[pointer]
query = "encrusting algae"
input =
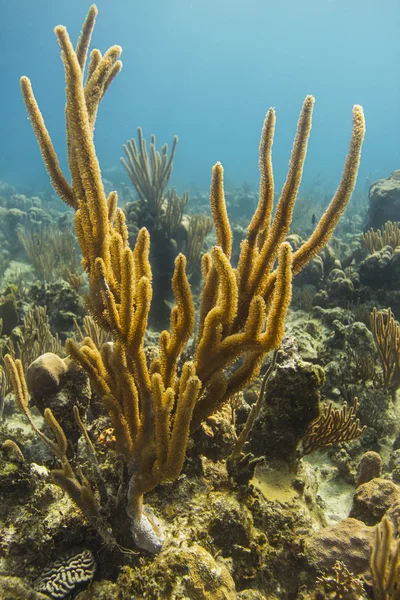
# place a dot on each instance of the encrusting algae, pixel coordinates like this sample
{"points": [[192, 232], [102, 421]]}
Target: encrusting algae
{"points": [[155, 406]]}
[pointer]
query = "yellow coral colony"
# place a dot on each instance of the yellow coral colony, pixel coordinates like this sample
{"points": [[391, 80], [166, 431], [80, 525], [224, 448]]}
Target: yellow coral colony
{"points": [[153, 407]]}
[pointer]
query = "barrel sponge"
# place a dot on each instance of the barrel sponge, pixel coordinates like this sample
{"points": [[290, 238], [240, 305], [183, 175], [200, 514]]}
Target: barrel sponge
{"points": [[44, 376]]}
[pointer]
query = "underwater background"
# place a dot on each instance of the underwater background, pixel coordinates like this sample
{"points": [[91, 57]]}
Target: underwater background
{"points": [[199, 300], [208, 71]]}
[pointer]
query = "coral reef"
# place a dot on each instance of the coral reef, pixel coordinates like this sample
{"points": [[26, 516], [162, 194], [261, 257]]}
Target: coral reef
{"points": [[384, 201], [292, 401], [250, 449], [162, 213], [233, 320]]}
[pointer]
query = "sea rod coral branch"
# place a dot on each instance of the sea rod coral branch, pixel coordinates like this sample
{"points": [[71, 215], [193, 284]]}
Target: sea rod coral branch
{"points": [[154, 407]]}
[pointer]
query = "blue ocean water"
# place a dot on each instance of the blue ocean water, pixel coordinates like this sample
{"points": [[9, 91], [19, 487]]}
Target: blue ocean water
{"points": [[208, 71]]}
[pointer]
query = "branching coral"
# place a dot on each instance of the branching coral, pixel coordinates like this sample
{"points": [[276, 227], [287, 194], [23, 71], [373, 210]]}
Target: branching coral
{"points": [[34, 340], [51, 252], [154, 406], [339, 584], [385, 562], [149, 176], [174, 211], [80, 489], [199, 227], [375, 240], [331, 427], [386, 332]]}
